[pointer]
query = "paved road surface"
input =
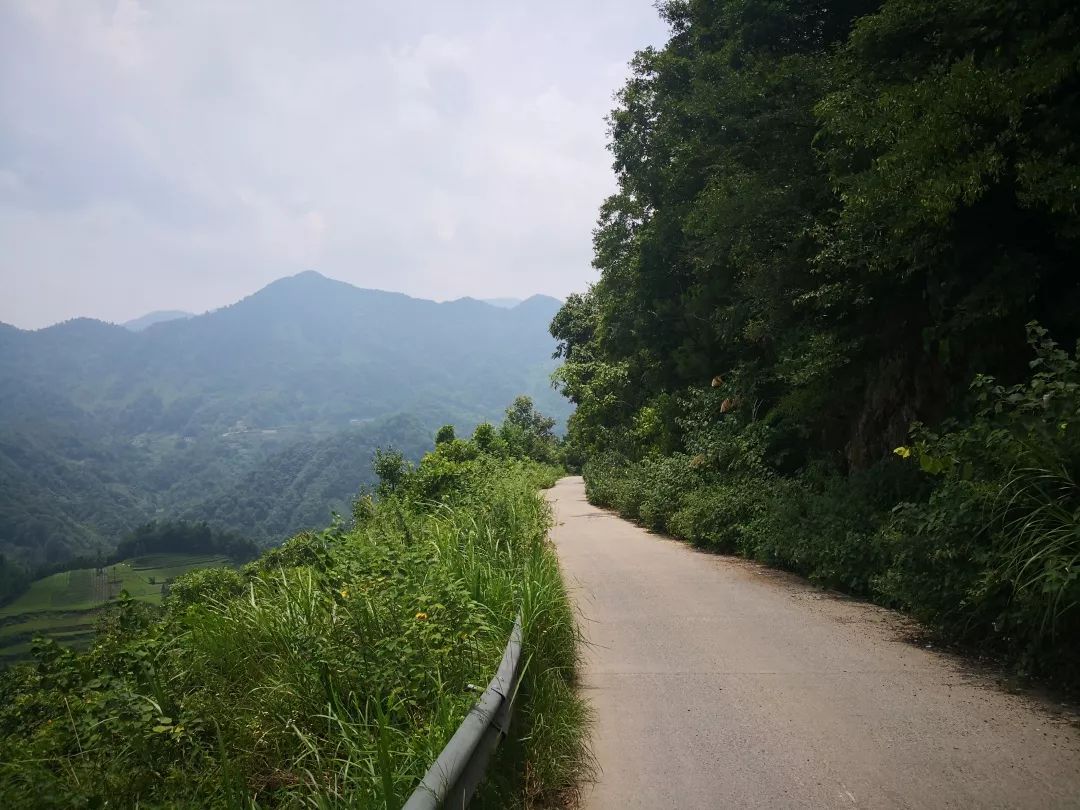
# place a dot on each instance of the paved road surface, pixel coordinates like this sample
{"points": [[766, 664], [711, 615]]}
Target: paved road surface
{"points": [[720, 684]]}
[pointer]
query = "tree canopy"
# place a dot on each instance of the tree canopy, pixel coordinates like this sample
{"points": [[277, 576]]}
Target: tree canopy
{"points": [[829, 216]]}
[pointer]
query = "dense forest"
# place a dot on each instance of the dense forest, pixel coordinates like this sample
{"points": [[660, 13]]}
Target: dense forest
{"points": [[260, 418], [837, 304], [187, 538]]}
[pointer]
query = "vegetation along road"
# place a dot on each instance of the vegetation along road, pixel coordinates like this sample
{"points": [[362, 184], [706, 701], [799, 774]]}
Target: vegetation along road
{"points": [[717, 683]]}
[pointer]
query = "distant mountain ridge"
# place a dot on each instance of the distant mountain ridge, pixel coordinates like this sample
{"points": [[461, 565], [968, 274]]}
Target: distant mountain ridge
{"points": [[102, 427], [151, 318], [274, 344]]}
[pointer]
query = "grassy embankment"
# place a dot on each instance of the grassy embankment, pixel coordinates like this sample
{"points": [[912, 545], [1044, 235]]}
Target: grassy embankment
{"points": [[330, 672]]}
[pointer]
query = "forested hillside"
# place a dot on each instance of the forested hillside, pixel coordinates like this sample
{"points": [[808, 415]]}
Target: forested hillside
{"points": [[833, 286], [332, 670], [260, 417], [304, 350]]}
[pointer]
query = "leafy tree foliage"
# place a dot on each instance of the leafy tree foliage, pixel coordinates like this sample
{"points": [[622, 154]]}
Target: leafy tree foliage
{"points": [[528, 433], [830, 209], [484, 436], [391, 468], [830, 218]]}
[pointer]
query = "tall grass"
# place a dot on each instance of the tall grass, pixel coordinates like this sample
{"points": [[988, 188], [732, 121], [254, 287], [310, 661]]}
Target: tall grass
{"points": [[1038, 510], [329, 673]]}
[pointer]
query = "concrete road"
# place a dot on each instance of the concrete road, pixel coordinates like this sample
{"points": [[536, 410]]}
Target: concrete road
{"points": [[717, 683]]}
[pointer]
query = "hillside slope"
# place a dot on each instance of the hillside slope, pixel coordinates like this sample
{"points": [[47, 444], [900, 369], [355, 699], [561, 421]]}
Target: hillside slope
{"points": [[102, 428]]}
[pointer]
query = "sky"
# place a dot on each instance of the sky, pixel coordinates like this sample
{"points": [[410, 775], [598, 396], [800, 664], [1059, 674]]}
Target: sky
{"points": [[181, 155]]}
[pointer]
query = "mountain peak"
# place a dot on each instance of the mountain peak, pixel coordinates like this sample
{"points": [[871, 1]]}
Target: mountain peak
{"points": [[83, 324], [309, 275], [540, 304], [308, 279], [308, 283], [467, 301]]}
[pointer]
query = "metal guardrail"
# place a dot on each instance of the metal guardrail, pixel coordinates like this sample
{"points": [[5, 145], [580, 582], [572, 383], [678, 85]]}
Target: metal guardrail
{"points": [[450, 783]]}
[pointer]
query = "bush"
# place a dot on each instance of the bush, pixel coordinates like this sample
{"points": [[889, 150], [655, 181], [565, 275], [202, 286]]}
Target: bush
{"points": [[818, 527], [993, 554], [204, 585], [718, 516], [661, 483], [603, 476]]}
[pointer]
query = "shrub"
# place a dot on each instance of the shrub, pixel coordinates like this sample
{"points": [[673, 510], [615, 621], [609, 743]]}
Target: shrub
{"points": [[1003, 523], [815, 525], [204, 585], [717, 516], [660, 482]]}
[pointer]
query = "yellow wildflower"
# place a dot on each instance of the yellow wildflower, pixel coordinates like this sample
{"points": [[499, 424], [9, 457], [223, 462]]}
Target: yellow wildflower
{"points": [[903, 452], [421, 616], [344, 593]]}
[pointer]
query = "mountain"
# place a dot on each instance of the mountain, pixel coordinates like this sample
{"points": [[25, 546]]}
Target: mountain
{"points": [[305, 350], [538, 306], [505, 303], [151, 318], [102, 427]]}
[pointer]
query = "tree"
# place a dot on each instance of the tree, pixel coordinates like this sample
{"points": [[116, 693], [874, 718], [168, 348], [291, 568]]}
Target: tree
{"points": [[391, 468], [837, 210], [523, 414], [445, 434], [527, 432], [484, 437]]}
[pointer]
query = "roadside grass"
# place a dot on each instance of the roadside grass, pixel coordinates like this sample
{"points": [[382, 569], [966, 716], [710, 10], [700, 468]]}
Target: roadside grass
{"points": [[329, 673], [545, 759]]}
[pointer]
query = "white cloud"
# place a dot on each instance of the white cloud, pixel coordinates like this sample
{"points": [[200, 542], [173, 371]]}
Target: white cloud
{"points": [[161, 155]]}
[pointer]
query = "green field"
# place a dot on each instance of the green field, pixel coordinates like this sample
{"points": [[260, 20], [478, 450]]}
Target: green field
{"points": [[65, 606]]}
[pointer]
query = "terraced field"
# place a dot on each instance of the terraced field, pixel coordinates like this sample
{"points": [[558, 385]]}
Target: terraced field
{"points": [[65, 606]]}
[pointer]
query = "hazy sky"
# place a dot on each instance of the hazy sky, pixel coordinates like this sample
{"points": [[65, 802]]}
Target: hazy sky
{"points": [[179, 155]]}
